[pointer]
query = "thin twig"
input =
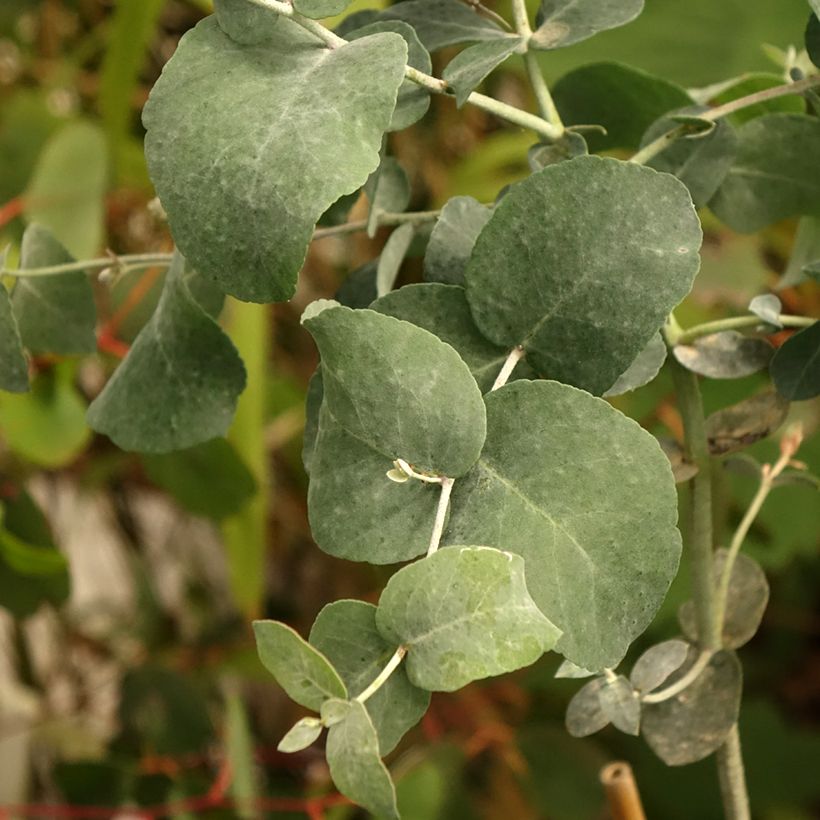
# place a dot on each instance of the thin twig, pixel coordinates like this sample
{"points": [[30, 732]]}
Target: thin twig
{"points": [[510, 113], [515, 356], [383, 676], [687, 680], [735, 323], [118, 263], [441, 514]]}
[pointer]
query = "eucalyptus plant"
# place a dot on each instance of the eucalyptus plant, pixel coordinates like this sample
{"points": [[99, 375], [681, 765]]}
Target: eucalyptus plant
{"points": [[460, 426]]}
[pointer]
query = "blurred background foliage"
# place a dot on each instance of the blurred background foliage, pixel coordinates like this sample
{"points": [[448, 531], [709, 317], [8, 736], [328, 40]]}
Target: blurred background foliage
{"points": [[127, 670]]}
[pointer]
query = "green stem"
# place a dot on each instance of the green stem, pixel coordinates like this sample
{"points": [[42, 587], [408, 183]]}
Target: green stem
{"points": [[735, 323], [537, 82], [732, 777], [384, 675], [436, 86], [119, 263], [665, 140], [386, 218], [729, 760]]}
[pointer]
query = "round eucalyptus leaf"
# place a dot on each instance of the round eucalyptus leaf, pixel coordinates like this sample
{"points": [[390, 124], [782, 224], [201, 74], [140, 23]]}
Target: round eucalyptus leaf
{"points": [[399, 389], [646, 366], [725, 355], [468, 69], [620, 704], [741, 425], [13, 364], [453, 238], [585, 714], [443, 310], [595, 254], [242, 202], [694, 723], [768, 307], [463, 613], [386, 189], [657, 664], [587, 498], [746, 601], [345, 633], [569, 670]]}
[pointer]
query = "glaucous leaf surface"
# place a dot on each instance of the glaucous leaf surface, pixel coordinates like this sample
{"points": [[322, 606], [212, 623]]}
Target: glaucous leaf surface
{"points": [[358, 290], [302, 671], [186, 365], [568, 669], [13, 364], [441, 23], [625, 100], [387, 189], [355, 510], [741, 425], [694, 723], [795, 367], [464, 613], [620, 704], [301, 735], [413, 100], [774, 174], [569, 146], [453, 238], [657, 664], [317, 9], [701, 162], [645, 367], [564, 22], [468, 69], [725, 355], [399, 389], [313, 404], [585, 714], [443, 310], [595, 253], [746, 601], [55, 314], [392, 257], [345, 633], [243, 20], [588, 499], [242, 202], [357, 770], [209, 479], [768, 307]]}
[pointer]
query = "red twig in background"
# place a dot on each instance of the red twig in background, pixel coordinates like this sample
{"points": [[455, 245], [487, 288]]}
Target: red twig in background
{"points": [[107, 340], [11, 210]]}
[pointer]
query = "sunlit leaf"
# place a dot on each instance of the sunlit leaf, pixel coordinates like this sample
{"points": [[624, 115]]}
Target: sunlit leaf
{"points": [[301, 735], [463, 613]]}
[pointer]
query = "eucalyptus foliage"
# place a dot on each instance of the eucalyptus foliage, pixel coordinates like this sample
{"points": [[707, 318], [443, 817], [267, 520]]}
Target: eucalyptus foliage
{"points": [[457, 423]]}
